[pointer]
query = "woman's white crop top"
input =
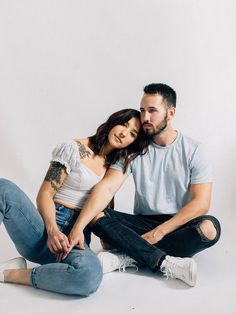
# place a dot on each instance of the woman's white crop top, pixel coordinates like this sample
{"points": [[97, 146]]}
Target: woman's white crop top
{"points": [[80, 180]]}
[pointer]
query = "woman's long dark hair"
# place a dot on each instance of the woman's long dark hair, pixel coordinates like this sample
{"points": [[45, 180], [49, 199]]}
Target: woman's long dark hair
{"points": [[138, 147]]}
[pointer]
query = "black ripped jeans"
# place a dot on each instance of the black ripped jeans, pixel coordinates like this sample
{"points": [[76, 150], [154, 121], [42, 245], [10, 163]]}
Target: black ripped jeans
{"points": [[123, 232]]}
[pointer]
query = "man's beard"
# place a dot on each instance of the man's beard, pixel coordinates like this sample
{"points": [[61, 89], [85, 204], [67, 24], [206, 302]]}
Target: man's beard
{"points": [[150, 133]]}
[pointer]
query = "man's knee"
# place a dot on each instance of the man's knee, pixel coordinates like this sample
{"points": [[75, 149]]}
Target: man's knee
{"points": [[208, 229]]}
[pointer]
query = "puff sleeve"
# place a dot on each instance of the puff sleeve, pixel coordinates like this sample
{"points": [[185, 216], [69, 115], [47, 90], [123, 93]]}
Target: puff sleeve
{"points": [[67, 154]]}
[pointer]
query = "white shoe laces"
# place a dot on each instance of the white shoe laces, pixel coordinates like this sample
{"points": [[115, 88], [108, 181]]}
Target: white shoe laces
{"points": [[184, 269], [126, 261], [171, 269]]}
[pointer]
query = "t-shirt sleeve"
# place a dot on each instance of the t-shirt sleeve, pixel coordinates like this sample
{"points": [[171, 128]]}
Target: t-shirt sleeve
{"points": [[119, 165], [201, 169], [66, 154]]}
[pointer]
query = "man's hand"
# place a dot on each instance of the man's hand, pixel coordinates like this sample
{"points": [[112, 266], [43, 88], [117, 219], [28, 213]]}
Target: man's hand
{"points": [[154, 235], [76, 237]]}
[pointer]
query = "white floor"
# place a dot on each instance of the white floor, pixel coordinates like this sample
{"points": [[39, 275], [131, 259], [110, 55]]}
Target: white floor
{"points": [[141, 293]]}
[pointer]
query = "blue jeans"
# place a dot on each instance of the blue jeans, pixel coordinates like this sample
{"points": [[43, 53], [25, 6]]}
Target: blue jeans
{"points": [[123, 232], [79, 274]]}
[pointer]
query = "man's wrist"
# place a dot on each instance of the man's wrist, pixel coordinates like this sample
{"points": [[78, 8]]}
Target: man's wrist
{"points": [[162, 230], [78, 227]]}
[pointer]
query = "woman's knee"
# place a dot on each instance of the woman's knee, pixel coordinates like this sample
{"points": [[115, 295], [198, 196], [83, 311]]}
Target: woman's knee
{"points": [[86, 275], [9, 190], [6, 185]]}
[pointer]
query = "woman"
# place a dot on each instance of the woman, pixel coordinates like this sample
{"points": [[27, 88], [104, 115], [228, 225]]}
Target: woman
{"points": [[76, 166]]}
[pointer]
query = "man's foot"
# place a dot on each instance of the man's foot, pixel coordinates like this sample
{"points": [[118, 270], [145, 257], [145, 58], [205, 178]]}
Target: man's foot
{"points": [[184, 269], [14, 263], [111, 261]]}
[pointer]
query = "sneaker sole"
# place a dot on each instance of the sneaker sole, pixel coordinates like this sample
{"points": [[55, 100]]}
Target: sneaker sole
{"points": [[193, 268], [14, 263]]}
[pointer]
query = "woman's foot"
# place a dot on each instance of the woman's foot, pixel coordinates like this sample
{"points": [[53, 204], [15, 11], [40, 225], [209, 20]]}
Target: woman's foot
{"points": [[14, 263]]}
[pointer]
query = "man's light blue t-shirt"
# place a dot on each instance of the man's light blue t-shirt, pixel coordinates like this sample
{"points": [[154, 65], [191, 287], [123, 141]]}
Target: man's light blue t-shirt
{"points": [[163, 176]]}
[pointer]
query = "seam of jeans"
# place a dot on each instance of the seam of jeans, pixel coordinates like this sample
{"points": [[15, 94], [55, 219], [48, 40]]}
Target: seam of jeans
{"points": [[33, 280], [29, 220]]}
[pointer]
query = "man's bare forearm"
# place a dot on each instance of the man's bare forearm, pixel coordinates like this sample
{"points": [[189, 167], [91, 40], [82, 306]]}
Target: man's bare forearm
{"points": [[100, 197], [187, 213], [199, 205]]}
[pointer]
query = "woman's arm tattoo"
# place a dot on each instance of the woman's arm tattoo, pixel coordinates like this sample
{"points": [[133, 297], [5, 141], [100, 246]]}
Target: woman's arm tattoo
{"points": [[54, 175]]}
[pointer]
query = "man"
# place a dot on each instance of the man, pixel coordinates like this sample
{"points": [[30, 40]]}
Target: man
{"points": [[173, 186]]}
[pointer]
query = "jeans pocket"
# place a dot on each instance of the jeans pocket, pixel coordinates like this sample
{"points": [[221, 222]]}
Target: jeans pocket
{"points": [[99, 220], [63, 216]]}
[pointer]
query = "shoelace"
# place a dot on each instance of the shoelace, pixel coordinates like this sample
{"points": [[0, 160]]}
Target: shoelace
{"points": [[170, 268], [127, 262], [167, 273]]}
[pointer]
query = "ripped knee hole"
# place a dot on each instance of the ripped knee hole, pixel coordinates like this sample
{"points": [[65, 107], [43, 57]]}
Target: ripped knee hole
{"points": [[208, 229]]}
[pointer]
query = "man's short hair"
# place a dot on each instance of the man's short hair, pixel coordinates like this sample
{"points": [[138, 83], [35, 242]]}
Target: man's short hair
{"points": [[168, 94]]}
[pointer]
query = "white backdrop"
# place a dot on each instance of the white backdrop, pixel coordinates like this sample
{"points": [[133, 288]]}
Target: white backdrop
{"points": [[66, 65]]}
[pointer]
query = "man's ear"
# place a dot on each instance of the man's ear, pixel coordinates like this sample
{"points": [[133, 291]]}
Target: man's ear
{"points": [[171, 113]]}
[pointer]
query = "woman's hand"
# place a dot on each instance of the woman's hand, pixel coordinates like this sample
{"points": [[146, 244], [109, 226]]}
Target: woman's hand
{"points": [[58, 244], [76, 237]]}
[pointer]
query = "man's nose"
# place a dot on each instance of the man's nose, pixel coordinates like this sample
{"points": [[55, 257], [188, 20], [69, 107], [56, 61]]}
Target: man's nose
{"points": [[145, 117]]}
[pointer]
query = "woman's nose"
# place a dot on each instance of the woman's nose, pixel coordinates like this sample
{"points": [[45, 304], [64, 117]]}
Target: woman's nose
{"points": [[123, 133]]}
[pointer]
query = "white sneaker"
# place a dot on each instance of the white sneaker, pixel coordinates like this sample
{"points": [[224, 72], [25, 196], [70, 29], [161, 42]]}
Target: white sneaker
{"points": [[111, 261], [14, 263], [184, 269]]}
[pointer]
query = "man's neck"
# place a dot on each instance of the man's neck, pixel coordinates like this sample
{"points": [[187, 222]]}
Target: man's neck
{"points": [[166, 137]]}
